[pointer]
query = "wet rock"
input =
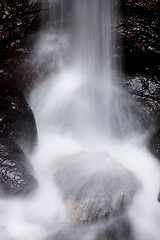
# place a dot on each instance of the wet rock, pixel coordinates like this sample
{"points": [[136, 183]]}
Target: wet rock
{"points": [[143, 101], [145, 105], [154, 144], [16, 174], [147, 112], [144, 85], [158, 198], [19, 36], [20, 18], [140, 33], [18, 136], [117, 229], [16, 118], [16, 18], [94, 186]]}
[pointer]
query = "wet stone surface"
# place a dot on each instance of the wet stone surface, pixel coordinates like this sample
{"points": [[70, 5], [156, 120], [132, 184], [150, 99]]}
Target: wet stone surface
{"points": [[16, 17], [97, 197], [16, 117], [140, 32], [117, 229], [143, 85], [16, 174], [96, 190], [18, 135]]}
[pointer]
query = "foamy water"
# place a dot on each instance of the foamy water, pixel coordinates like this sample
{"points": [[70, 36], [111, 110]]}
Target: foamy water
{"points": [[87, 131]]}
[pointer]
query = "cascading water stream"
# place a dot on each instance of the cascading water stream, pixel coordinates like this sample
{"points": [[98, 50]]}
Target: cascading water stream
{"points": [[80, 107]]}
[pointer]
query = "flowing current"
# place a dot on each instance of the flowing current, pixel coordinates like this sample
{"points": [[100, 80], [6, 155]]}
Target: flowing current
{"points": [[90, 147]]}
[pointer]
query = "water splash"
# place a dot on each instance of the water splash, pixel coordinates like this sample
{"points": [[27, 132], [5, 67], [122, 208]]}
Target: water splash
{"points": [[80, 107], [84, 106]]}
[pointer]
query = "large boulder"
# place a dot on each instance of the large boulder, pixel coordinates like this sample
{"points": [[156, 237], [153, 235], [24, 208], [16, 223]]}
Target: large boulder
{"points": [[18, 136], [94, 186], [16, 118]]}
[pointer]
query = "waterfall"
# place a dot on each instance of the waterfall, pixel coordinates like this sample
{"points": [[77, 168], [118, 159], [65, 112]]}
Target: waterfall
{"points": [[90, 151], [83, 69], [83, 108]]}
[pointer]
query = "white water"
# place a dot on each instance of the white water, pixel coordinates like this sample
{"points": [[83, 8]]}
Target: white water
{"points": [[79, 107]]}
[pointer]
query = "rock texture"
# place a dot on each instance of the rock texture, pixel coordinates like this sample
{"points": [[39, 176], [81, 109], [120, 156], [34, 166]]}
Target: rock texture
{"points": [[16, 18], [16, 174], [140, 30], [18, 136], [16, 118], [94, 186]]}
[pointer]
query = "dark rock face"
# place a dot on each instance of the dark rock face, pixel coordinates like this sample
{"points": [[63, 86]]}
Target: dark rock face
{"points": [[18, 20], [140, 31], [15, 170], [140, 35], [16, 17], [18, 135], [16, 118]]}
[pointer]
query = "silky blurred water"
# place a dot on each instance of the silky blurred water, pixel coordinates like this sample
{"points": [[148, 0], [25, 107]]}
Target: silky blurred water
{"points": [[87, 131]]}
